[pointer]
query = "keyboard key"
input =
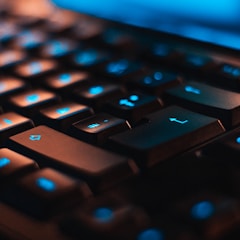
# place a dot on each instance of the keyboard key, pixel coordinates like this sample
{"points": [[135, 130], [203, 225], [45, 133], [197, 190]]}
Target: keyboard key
{"points": [[62, 115], [100, 167], [10, 85], [7, 31], [98, 128], [89, 58], [208, 100], [46, 191], [155, 82], [11, 58], [13, 164], [133, 106], [12, 123], [30, 101], [106, 218], [34, 69], [57, 48], [96, 94], [167, 133], [66, 80]]}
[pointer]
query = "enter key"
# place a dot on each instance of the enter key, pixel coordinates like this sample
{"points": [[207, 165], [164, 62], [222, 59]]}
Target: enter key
{"points": [[167, 133]]}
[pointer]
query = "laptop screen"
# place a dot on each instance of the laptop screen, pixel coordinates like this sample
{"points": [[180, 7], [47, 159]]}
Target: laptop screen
{"points": [[215, 21]]}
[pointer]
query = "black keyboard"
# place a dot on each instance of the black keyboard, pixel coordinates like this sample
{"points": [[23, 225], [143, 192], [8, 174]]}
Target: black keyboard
{"points": [[108, 132]]}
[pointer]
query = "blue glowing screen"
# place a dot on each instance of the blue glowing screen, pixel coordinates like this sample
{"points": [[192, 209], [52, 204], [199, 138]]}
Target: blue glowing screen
{"points": [[215, 21]]}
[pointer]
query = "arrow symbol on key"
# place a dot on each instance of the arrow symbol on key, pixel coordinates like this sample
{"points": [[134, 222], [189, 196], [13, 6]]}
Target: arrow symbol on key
{"points": [[178, 121]]}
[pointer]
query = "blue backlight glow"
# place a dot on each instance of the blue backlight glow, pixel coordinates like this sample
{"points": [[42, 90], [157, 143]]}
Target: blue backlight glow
{"points": [[7, 121], [35, 67], [238, 140], [4, 162], [151, 234], [46, 184], [118, 67], [95, 90], [62, 111], [35, 137], [32, 98], [202, 210], [65, 78], [103, 214], [86, 58]]}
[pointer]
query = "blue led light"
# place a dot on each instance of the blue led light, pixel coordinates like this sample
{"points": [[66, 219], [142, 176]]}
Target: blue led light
{"points": [[151, 234], [105, 120], [158, 76], [7, 121], [234, 71], [46, 184], [147, 80], [192, 90], [103, 214], [202, 210], [34, 137], [161, 50], [35, 67], [134, 98], [32, 98], [196, 61], [238, 140], [86, 58], [65, 78], [118, 67], [57, 48], [4, 162], [62, 111], [93, 125], [95, 90], [126, 102]]}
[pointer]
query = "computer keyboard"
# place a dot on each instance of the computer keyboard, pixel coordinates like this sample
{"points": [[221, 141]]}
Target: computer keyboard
{"points": [[108, 132]]}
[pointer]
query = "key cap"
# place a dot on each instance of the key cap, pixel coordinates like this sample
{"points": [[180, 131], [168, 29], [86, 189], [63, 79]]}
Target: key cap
{"points": [[8, 31], [35, 69], [65, 81], [27, 103], [96, 94], [168, 133], [155, 81], [13, 164], [98, 128], [12, 123], [133, 106], [44, 192], [100, 167], [106, 218], [62, 115], [205, 99], [10, 85]]}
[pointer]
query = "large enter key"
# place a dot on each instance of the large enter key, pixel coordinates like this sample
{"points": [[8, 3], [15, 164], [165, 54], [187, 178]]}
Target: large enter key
{"points": [[167, 133], [100, 168]]}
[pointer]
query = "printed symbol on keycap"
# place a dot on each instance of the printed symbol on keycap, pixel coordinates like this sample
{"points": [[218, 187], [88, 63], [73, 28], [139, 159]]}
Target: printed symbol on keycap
{"points": [[103, 214], [238, 140], [4, 162], [202, 210], [35, 67], [57, 48], [65, 78], [192, 90], [234, 71], [151, 234], [7, 121], [46, 184], [130, 101], [34, 137], [95, 90], [93, 125], [157, 76], [32, 98], [62, 111], [178, 121], [118, 67], [86, 58]]}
